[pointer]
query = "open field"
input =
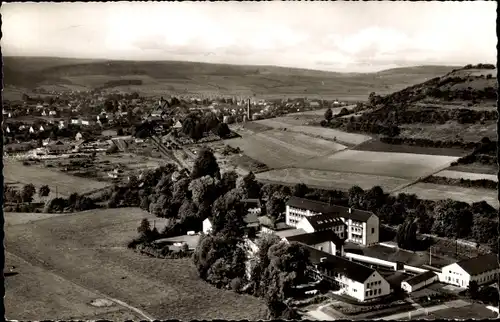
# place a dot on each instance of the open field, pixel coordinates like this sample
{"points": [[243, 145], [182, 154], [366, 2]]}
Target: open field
{"points": [[476, 168], [65, 252], [377, 146], [329, 179], [432, 191], [175, 77], [400, 165], [278, 149], [466, 175], [321, 132], [66, 184]]}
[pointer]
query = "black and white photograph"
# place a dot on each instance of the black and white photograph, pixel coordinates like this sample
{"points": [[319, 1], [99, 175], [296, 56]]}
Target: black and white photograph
{"points": [[240, 160]]}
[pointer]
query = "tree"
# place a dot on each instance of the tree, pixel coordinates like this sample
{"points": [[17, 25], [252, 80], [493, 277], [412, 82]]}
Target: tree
{"points": [[452, 219], [28, 192], [205, 164], [44, 191], [407, 234], [300, 190], [144, 229], [473, 289], [249, 186], [203, 190], [222, 130], [328, 115], [356, 196], [228, 216], [276, 205], [228, 181]]}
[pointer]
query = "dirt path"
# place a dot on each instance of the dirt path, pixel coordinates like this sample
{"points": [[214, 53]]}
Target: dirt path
{"points": [[41, 265]]}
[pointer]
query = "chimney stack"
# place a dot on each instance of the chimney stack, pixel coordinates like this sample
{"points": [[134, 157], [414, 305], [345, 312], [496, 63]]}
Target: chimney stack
{"points": [[248, 110]]}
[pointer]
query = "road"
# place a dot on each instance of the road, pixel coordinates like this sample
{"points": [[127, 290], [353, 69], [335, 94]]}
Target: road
{"points": [[424, 311]]}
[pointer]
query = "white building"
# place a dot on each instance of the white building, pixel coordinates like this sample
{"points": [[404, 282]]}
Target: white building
{"points": [[416, 282], [323, 222], [482, 269], [326, 241], [356, 280], [362, 227]]}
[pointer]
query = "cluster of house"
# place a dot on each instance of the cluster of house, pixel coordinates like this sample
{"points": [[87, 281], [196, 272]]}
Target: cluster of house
{"points": [[326, 229]]}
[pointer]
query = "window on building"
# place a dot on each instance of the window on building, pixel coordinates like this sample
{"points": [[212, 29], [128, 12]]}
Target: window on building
{"points": [[373, 230], [366, 293]]}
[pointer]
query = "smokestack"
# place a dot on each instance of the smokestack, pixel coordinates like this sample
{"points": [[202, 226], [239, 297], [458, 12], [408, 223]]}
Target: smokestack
{"points": [[248, 110]]}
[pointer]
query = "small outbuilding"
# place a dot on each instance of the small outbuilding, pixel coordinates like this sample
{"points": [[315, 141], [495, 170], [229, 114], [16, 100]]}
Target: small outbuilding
{"points": [[419, 281]]}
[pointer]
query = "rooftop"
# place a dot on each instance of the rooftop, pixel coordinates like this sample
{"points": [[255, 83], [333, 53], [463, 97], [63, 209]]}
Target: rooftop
{"points": [[480, 264], [351, 270], [420, 278], [317, 238], [324, 221], [325, 208]]}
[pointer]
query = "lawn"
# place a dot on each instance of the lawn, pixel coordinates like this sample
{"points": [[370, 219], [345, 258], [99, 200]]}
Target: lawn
{"points": [[432, 191], [466, 175], [329, 179], [473, 312], [278, 149], [316, 131], [399, 165], [88, 249], [66, 184]]}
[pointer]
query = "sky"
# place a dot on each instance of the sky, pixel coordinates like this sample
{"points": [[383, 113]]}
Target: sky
{"points": [[333, 36]]}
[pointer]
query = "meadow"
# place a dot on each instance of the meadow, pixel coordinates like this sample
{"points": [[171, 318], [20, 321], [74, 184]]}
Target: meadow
{"points": [[433, 191], [15, 171], [278, 149], [62, 266], [400, 165], [329, 179]]}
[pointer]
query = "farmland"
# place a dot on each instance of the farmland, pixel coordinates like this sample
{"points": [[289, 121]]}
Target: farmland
{"points": [[277, 149], [432, 191], [378, 146], [325, 133], [61, 260], [66, 184], [400, 165], [466, 175], [329, 179]]}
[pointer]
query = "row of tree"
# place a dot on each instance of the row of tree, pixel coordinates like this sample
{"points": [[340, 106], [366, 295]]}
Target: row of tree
{"points": [[467, 183]]}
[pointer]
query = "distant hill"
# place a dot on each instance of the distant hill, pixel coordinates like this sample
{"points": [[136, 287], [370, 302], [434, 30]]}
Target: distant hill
{"points": [[470, 86], [458, 107], [173, 77]]}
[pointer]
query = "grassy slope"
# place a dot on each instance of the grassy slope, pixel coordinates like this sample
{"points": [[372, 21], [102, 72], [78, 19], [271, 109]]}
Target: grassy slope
{"points": [[87, 249], [189, 77]]}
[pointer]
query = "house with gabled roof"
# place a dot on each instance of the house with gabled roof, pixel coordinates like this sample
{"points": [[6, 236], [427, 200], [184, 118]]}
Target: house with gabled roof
{"points": [[323, 222], [483, 269], [355, 280], [419, 281], [362, 226], [325, 240]]}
